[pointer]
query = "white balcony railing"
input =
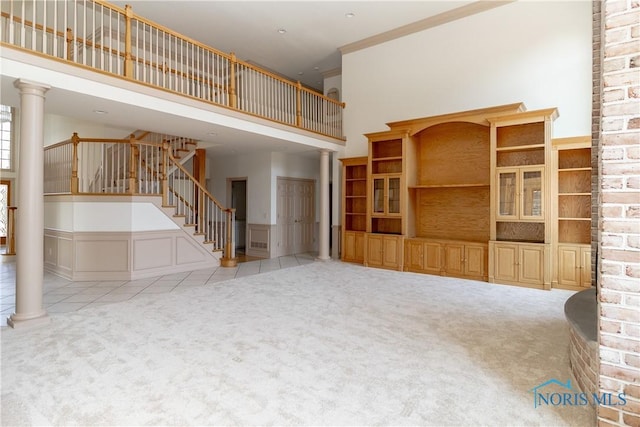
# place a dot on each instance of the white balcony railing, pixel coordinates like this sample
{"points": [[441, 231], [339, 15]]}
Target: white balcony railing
{"points": [[104, 37]]}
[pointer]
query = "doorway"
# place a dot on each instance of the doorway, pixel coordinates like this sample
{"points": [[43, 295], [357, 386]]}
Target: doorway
{"points": [[239, 203], [295, 215], [5, 202]]}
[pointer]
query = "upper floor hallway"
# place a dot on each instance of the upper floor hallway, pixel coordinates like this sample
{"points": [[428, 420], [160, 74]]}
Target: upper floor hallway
{"points": [[106, 64]]}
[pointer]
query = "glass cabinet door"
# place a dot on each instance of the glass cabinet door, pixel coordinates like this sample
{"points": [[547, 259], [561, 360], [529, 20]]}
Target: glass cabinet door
{"points": [[507, 193], [394, 195], [378, 195], [532, 194]]}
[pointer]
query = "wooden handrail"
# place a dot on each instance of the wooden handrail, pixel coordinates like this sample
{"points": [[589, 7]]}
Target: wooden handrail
{"points": [[11, 230], [195, 182], [28, 23]]}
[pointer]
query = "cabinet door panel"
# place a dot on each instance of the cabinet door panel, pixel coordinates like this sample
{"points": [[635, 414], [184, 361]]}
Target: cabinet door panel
{"points": [[454, 258], [531, 265], [506, 259], [433, 257], [568, 265], [475, 261], [586, 267], [415, 256], [353, 247], [391, 252], [507, 194], [374, 250], [531, 195], [349, 250]]}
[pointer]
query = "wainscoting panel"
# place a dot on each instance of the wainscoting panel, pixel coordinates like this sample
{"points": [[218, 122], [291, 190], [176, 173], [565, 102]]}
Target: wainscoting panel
{"points": [[103, 253], [122, 255], [152, 253], [187, 252]]}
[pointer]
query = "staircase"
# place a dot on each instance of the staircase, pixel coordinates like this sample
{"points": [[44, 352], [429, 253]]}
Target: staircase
{"points": [[151, 164]]}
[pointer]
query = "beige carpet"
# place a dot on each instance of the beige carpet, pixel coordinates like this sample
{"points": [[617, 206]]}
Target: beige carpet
{"points": [[321, 344]]}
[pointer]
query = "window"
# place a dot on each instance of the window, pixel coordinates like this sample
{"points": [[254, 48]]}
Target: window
{"points": [[6, 137]]}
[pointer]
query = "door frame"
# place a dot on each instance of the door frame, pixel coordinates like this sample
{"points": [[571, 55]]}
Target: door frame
{"points": [[229, 203]]}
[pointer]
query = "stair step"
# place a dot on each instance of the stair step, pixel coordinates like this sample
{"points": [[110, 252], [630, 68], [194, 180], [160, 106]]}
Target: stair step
{"points": [[169, 206], [191, 142], [189, 225], [209, 241], [200, 233], [179, 216], [186, 150]]}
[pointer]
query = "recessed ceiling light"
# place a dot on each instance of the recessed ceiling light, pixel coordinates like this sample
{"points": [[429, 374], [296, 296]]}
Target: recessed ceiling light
{"points": [[316, 68], [349, 15], [281, 30], [212, 134], [100, 112], [300, 73]]}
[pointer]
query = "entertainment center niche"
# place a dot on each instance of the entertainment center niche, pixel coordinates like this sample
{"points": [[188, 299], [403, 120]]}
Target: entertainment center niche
{"points": [[484, 194]]}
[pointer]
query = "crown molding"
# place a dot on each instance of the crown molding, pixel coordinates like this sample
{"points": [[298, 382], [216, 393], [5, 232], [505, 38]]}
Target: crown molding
{"points": [[424, 24]]}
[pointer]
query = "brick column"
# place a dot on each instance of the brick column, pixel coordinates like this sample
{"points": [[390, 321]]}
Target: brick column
{"points": [[619, 263]]}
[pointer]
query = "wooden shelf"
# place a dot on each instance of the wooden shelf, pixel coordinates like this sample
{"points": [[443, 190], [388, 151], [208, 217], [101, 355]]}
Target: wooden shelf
{"points": [[385, 159], [419, 187], [521, 147], [574, 169], [574, 219]]}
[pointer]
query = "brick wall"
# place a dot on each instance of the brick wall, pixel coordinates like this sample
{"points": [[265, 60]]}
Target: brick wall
{"points": [[619, 210], [583, 361], [596, 112]]}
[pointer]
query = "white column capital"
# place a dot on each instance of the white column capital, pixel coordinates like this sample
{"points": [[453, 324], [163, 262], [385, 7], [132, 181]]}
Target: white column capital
{"points": [[29, 87]]}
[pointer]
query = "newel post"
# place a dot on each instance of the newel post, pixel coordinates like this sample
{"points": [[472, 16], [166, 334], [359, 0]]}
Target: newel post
{"points": [[69, 44], [163, 173], [229, 259], [128, 58], [11, 230], [74, 164], [299, 104], [133, 162], [233, 97]]}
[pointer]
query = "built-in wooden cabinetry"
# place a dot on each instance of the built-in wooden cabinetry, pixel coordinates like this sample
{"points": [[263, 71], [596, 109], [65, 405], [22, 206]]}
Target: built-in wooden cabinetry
{"points": [[391, 156], [446, 257], [354, 208], [573, 212], [521, 232], [480, 194]]}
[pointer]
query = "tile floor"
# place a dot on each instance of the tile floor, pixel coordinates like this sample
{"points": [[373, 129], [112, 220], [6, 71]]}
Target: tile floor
{"points": [[63, 296]]}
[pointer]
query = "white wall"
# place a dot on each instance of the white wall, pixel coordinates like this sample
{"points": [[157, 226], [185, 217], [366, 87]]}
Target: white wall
{"points": [[60, 128], [538, 53], [262, 170], [105, 216], [256, 167]]}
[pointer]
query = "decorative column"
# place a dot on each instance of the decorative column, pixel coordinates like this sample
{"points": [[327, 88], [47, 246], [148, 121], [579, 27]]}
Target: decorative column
{"points": [[323, 252], [30, 222]]}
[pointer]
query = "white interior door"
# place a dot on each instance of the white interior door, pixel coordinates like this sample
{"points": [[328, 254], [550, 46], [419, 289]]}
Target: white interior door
{"points": [[295, 215]]}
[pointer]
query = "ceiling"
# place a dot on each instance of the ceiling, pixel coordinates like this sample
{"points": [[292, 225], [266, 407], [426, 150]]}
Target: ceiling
{"points": [[315, 30]]}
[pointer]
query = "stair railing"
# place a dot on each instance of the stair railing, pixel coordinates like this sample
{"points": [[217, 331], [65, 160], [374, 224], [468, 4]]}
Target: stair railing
{"points": [[137, 166], [200, 210]]}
